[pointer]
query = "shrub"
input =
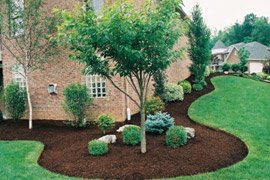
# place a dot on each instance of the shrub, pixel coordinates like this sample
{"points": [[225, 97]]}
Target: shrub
{"points": [[197, 87], [76, 102], [176, 136], [132, 135], [266, 68], [173, 92], [262, 75], [15, 100], [154, 105], [226, 67], [235, 68], [243, 69], [186, 86], [1, 117], [207, 71], [158, 123], [268, 78], [97, 148], [105, 123]]}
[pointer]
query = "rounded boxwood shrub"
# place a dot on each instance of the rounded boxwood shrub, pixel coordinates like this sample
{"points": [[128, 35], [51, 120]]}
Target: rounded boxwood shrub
{"points": [[262, 75], [268, 78], [173, 92], [132, 135], [197, 87], [235, 68], [176, 136], [158, 123], [15, 100], [97, 148], [154, 105], [186, 86], [105, 122], [243, 69], [226, 67]]}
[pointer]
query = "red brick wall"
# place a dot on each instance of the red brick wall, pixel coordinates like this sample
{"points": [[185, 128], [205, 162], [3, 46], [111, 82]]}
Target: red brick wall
{"points": [[62, 71]]}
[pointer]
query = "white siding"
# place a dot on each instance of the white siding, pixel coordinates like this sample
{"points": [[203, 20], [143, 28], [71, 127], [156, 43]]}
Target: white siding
{"points": [[255, 67]]}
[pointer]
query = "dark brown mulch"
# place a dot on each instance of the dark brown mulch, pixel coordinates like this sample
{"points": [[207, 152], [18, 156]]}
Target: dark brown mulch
{"points": [[66, 149]]}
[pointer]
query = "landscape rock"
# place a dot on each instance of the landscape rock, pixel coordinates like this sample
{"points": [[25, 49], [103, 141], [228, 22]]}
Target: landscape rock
{"points": [[108, 139], [123, 127], [190, 132]]}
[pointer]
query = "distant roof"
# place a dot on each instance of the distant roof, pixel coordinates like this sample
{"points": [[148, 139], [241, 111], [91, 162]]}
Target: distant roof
{"points": [[219, 45], [257, 51]]}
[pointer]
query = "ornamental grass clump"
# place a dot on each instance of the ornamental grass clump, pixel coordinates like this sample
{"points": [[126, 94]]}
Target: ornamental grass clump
{"points": [[132, 135], [176, 136], [105, 123], [97, 148], [158, 123], [154, 105]]}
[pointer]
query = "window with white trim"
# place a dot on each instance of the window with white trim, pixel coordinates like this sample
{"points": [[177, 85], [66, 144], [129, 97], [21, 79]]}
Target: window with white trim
{"points": [[96, 86], [16, 19], [18, 75]]}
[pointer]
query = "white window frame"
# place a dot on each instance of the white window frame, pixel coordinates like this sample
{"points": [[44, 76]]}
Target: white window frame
{"points": [[96, 86], [16, 20], [18, 75]]}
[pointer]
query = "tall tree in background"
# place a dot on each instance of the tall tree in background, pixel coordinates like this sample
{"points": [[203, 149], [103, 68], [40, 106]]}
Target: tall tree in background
{"points": [[126, 41], [199, 51], [26, 31]]}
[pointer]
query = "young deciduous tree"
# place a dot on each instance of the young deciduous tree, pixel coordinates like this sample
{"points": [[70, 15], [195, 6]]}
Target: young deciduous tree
{"points": [[26, 31], [199, 51], [125, 41], [243, 55]]}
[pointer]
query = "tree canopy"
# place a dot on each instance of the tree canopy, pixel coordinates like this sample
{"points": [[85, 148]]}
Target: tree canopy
{"points": [[253, 28]]}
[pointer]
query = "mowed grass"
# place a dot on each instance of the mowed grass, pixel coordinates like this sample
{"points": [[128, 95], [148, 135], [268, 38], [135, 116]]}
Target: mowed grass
{"points": [[18, 160], [239, 106]]}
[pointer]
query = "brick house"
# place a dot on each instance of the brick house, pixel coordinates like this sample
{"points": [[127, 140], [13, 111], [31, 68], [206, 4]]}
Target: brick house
{"points": [[258, 55], [60, 71]]}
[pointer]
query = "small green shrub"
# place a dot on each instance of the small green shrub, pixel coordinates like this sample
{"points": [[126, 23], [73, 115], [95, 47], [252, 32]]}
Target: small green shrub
{"points": [[158, 123], [97, 148], [268, 78], [105, 123], [132, 135], [186, 86], [176, 136], [173, 92], [197, 87], [262, 75], [243, 69], [76, 103], [154, 105], [15, 100], [160, 81], [235, 68], [226, 67], [207, 71]]}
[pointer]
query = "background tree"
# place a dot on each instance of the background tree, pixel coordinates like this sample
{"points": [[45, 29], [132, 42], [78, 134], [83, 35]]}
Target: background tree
{"points": [[243, 56], [26, 31], [199, 51], [253, 28], [126, 41]]}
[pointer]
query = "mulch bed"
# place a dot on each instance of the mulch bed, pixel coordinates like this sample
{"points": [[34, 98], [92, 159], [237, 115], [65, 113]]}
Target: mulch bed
{"points": [[66, 148]]}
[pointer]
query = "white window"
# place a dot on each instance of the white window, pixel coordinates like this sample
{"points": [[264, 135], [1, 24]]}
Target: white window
{"points": [[16, 19], [96, 86], [18, 75]]}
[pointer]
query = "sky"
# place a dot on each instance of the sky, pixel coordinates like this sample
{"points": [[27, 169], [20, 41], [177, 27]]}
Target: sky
{"points": [[219, 14]]}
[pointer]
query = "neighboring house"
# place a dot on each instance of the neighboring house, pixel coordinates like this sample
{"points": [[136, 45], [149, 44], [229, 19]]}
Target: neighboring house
{"points": [[61, 71], [259, 53]]}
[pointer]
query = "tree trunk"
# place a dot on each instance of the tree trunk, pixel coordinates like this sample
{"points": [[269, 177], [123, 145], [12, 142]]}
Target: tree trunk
{"points": [[29, 103], [143, 135]]}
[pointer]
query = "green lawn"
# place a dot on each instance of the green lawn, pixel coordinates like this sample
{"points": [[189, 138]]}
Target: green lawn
{"points": [[18, 160], [239, 106]]}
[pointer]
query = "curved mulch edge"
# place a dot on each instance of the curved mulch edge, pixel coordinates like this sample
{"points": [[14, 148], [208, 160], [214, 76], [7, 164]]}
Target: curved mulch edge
{"points": [[66, 153]]}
